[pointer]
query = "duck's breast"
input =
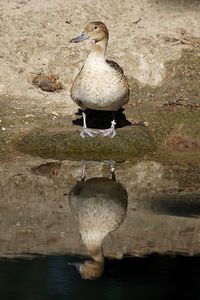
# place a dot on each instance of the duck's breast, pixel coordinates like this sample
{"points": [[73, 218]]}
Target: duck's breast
{"points": [[100, 86]]}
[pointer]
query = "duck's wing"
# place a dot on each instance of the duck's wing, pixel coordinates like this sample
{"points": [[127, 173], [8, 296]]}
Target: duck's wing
{"points": [[115, 66], [120, 74]]}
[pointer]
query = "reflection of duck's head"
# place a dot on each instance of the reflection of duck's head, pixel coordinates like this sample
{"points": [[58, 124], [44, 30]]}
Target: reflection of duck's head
{"points": [[90, 269], [99, 206]]}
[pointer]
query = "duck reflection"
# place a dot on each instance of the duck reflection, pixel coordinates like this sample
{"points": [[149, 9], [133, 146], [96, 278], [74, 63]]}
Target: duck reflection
{"points": [[99, 205]]}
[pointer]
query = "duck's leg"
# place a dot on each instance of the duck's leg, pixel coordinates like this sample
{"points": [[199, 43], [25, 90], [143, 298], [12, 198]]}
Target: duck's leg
{"points": [[112, 168], [83, 173], [110, 132], [87, 132]]}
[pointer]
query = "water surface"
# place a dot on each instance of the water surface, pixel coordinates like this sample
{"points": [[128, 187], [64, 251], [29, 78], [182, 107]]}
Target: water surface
{"points": [[51, 277]]}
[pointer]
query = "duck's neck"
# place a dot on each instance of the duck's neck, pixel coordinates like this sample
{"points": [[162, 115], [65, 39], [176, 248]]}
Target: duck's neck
{"points": [[96, 252], [93, 240], [98, 51]]}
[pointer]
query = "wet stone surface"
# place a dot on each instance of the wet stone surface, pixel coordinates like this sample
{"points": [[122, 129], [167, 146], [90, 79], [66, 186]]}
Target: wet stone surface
{"points": [[162, 214]]}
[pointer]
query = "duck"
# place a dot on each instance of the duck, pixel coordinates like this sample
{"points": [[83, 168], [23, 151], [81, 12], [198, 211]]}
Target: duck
{"points": [[101, 83], [99, 205]]}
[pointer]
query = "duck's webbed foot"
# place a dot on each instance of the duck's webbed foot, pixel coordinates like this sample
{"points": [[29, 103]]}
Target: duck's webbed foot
{"points": [[91, 133], [110, 132], [88, 132]]}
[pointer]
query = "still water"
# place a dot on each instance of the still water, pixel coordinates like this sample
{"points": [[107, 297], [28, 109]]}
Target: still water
{"points": [[52, 277]]}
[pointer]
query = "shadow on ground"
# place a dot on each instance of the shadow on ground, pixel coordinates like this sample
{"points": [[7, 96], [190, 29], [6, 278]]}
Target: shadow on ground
{"points": [[102, 119]]}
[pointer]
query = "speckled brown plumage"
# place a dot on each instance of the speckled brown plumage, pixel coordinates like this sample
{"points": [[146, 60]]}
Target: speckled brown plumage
{"points": [[101, 84]]}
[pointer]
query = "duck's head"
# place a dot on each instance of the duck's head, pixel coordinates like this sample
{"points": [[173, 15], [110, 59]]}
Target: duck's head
{"points": [[96, 31], [90, 269]]}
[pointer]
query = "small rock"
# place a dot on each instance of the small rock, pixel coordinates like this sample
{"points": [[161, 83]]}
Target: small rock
{"points": [[48, 169], [146, 124], [54, 113], [29, 115], [179, 143], [47, 83]]}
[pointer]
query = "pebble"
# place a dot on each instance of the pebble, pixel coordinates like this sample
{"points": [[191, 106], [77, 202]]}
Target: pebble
{"points": [[54, 113], [29, 115]]}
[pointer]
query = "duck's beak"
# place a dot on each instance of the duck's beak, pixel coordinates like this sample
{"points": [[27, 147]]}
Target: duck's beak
{"points": [[80, 38]]}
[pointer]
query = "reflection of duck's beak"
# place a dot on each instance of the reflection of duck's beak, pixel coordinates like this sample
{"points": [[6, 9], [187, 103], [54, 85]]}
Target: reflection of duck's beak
{"points": [[80, 38], [77, 265]]}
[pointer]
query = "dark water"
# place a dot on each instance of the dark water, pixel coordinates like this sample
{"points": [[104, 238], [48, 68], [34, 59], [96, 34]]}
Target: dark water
{"points": [[52, 278]]}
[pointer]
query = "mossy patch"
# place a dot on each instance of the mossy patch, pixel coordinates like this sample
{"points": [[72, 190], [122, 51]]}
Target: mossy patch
{"points": [[128, 144]]}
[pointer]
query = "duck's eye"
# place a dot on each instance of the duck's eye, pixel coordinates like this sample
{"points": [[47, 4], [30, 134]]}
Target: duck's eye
{"points": [[95, 27]]}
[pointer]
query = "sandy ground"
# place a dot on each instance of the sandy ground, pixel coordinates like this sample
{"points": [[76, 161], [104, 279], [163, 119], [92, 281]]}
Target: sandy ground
{"points": [[34, 38]]}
